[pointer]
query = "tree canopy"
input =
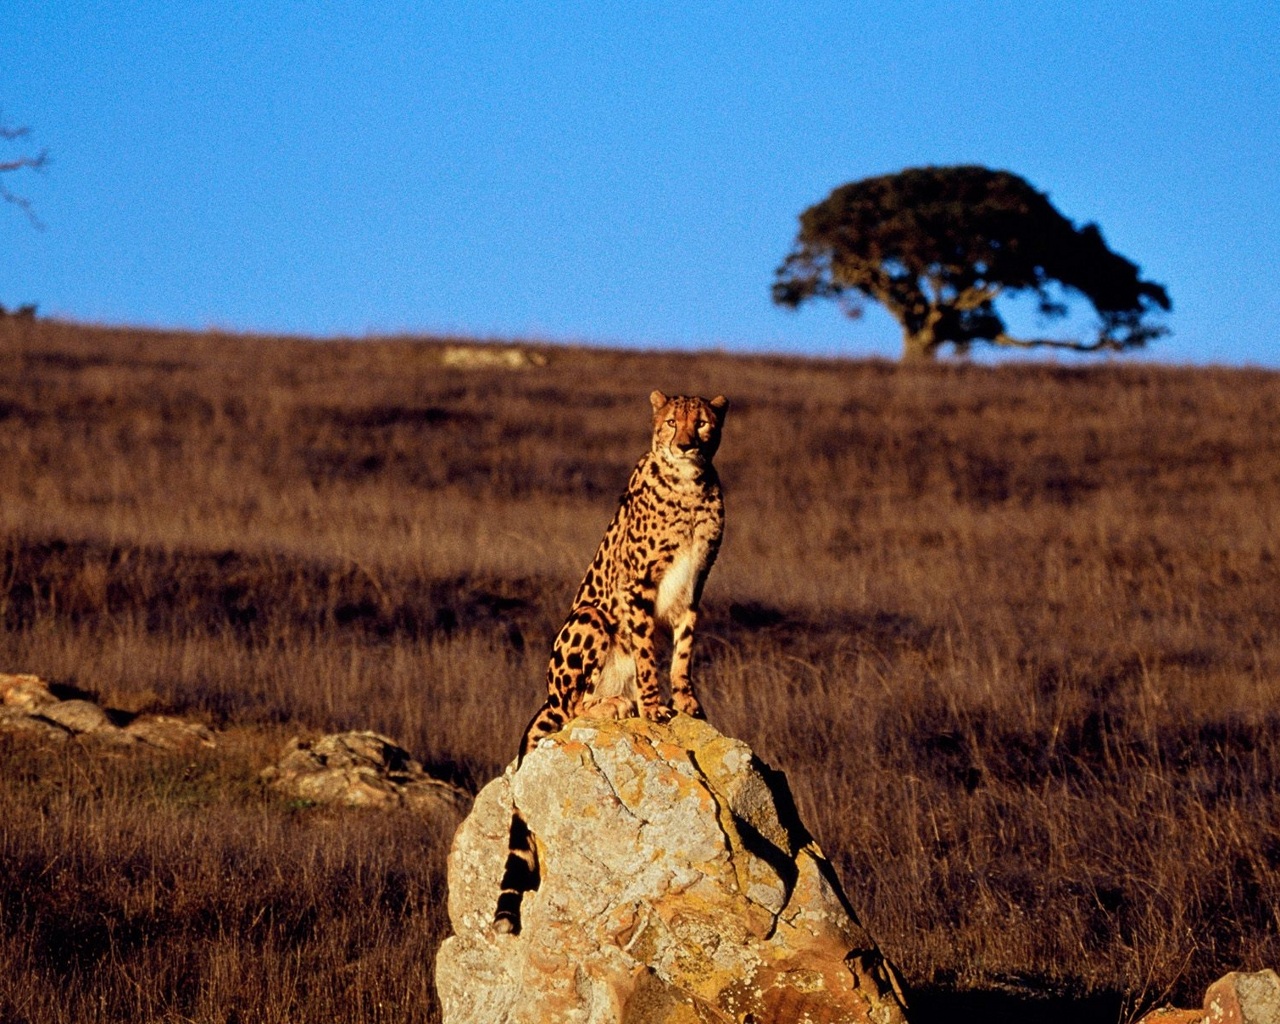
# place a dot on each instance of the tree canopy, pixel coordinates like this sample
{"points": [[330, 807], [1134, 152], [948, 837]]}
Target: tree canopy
{"points": [[937, 246]]}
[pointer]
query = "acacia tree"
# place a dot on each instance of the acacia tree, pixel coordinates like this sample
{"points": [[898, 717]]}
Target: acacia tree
{"points": [[24, 161], [936, 246]]}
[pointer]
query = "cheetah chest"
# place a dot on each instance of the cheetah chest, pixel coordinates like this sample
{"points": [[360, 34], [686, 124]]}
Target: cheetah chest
{"points": [[675, 589]]}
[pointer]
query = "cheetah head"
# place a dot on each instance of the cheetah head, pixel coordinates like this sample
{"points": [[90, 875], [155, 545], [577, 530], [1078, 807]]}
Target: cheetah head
{"points": [[686, 429]]}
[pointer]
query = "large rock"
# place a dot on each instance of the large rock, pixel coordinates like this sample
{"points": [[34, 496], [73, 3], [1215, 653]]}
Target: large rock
{"points": [[678, 885]]}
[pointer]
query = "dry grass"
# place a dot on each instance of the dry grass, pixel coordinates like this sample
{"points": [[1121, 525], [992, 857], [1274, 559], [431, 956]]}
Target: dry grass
{"points": [[175, 890], [1013, 633]]}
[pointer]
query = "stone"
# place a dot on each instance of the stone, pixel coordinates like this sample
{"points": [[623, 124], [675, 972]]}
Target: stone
{"points": [[678, 884], [1236, 998], [1240, 998], [488, 357], [28, 705], [17, 720], [1172, 1015], [26, 692], [360, 769], [170, 733], [77, 716]]}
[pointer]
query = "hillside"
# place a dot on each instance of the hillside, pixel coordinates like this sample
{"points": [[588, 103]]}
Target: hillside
{"points": [[1013, 634]]}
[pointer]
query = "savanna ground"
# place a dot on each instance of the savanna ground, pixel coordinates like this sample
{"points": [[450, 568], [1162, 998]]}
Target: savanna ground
{"points": [[1013, 634]]}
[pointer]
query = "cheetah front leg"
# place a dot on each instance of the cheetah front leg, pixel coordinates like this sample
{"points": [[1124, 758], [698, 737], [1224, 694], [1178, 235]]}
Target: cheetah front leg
{"points": [[682, 695], [640, 629], [580, 647]]}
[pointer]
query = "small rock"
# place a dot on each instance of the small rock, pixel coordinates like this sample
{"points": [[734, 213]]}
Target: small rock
{"points": [[170, 733], [360, 769], [1236, 998], [77, 716], [28, 705], [14, 719], [1171, 1015], [483, 357], [24, 691], [1240, 998]]}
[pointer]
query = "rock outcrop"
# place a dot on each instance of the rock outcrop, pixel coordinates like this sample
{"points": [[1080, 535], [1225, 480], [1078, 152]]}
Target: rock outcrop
{"points": [[1236, 998], [360, 769], [354, 769], [30, 705], [678, 885]]}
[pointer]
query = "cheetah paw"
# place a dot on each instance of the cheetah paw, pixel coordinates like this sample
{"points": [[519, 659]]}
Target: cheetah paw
{"points": [[658, 713], [689, 706], [608, 707]]}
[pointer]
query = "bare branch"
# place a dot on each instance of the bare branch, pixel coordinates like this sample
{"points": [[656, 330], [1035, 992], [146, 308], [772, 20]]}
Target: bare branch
{"points": [[28, 162], [34, 162], [23, 204]]}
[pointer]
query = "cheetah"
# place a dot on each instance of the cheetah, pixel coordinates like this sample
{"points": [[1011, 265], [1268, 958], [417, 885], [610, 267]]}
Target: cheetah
{"points": [[647, 576]]}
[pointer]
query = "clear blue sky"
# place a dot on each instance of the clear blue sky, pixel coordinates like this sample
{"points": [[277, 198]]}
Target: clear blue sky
{"points": [[608, 172]]}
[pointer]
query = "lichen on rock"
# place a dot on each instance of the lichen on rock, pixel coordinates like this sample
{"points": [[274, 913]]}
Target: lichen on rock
{"points": [[678, 884]]}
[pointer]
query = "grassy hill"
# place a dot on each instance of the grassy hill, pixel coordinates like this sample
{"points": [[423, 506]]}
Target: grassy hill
{"points": [[1013, 634]]}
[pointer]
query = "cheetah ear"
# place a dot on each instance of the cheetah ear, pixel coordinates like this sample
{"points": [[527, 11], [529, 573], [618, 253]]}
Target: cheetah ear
{"points": [[658, 400], [720, 404]]}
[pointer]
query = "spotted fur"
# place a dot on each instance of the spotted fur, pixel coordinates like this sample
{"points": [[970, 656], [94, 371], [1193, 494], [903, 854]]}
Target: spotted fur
{"points": [[647, 577]]}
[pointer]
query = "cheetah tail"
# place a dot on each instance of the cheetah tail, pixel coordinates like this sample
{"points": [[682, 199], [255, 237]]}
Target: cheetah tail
{"points": [[518, 877]]}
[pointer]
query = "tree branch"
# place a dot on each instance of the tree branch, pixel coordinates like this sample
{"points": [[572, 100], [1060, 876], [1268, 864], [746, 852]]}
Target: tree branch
{"points": [[1104, 344], [975, 298], [32, 162], [899, 294]]}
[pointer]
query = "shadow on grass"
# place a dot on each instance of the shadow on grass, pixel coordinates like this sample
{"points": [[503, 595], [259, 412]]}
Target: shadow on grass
{"points": [[945, 1006]]}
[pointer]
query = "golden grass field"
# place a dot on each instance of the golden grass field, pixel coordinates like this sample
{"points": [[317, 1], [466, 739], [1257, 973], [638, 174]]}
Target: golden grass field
{"points": [[1013, 633]]}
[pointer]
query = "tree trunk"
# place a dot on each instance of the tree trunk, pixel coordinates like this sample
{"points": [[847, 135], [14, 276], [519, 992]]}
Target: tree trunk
{"points": [[920, 340], [920, 346]]}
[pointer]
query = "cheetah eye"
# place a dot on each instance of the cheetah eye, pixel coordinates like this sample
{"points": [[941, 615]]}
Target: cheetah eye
{"points": [[671, 422]]}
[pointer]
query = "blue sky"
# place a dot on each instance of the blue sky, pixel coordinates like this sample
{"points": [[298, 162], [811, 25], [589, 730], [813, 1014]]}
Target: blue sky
{"points": [[613, 173]]}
